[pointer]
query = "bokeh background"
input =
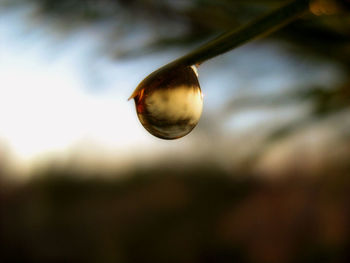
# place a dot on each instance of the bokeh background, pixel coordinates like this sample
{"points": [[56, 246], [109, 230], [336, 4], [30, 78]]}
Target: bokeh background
{"points": [[264, 177]]}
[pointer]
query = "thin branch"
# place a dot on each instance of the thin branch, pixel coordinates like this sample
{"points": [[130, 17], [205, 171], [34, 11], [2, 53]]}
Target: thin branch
{"points": [[234, 38]]}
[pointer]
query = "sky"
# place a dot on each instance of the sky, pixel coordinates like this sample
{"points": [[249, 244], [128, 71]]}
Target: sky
{"points": [[53, 104], [60, 100]]}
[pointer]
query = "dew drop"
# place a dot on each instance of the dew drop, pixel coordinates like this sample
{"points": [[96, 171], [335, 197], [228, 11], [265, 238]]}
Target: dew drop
{"points": [[169, 102]]}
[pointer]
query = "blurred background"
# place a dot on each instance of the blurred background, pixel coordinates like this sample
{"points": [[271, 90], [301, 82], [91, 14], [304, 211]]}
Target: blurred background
{"points": [[264, 177]]}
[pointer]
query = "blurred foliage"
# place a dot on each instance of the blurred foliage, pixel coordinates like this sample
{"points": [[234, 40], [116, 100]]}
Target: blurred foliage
{"points": [[195, 214], [173, 23]]}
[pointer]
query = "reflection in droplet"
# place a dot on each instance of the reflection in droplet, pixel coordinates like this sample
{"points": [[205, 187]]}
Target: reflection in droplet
{"points": [[169, 102]]}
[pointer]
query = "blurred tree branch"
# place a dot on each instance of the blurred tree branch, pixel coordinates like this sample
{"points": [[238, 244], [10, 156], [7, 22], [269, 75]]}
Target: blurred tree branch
{"points": [[192, 21]]}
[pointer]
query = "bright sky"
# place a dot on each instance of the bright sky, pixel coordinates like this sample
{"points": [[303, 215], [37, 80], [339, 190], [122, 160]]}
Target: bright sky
{"points": [[57, 103], [48, 107]]}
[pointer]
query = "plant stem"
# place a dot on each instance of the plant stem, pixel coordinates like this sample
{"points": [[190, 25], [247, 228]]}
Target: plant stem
{"points": [[234, 38]]}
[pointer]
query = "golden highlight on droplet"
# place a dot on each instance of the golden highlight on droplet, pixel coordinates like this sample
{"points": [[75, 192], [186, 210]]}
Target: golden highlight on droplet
{"points": [[169, 102]]}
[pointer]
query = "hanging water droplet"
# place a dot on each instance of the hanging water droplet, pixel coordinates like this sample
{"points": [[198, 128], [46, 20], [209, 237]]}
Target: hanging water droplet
{"points": [[169, 102]]}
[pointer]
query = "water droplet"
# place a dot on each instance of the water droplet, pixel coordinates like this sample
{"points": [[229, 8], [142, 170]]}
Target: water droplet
{"points": [[169, 102]]}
